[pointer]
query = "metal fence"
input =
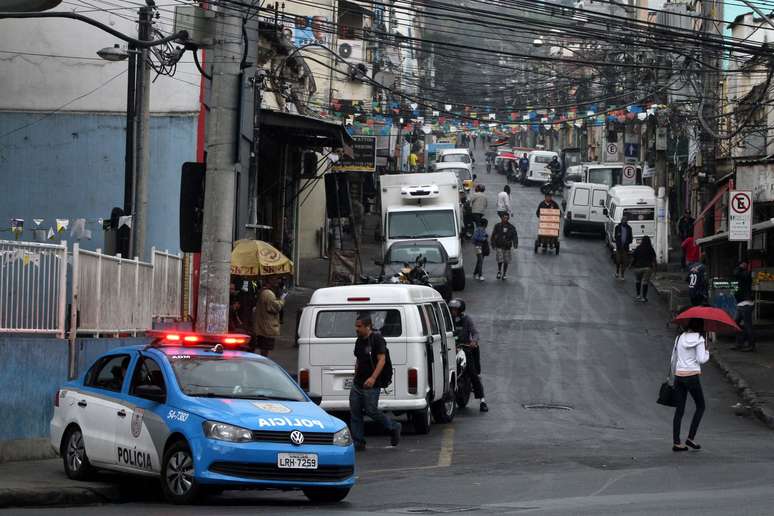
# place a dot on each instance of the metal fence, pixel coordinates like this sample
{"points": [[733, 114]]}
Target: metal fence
{"points": [[111, 294], [33, 285], [167, 284]]}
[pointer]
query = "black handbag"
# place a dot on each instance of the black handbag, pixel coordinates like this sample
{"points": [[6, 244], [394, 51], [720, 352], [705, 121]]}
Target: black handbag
{"points": [[666, 393]]}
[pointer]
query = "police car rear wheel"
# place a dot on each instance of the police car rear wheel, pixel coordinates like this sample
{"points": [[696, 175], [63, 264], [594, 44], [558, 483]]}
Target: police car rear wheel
{"points": [[326, 495], [177, 480], [76, 462]]}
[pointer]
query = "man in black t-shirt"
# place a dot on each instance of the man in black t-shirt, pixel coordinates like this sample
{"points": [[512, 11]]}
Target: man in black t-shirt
{"points": [[371, 357]]}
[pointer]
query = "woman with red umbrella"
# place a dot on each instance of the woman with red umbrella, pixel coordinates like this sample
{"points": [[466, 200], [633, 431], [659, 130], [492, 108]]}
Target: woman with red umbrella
{"points": [[689, 353]]}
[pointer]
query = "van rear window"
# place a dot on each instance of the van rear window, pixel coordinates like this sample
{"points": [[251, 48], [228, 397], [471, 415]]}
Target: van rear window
{"points": [[637, 214], [543, 159], [336, 324]]}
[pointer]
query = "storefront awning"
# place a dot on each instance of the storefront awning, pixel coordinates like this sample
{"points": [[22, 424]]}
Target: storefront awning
{"points": [[306, 131], [722, 237]]}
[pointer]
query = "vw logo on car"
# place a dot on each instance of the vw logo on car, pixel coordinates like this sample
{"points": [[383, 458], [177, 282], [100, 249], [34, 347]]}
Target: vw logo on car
{"points": [[296, 437]]}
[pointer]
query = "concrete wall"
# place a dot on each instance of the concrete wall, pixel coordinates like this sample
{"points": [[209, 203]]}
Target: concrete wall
{"points": [[52, 62], [31, 371], [72, 166]]}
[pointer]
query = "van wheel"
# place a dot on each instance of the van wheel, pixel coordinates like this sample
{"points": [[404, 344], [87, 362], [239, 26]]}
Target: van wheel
{"points": [[458, 279], [421, 420], [73, 451], [444, 410]]}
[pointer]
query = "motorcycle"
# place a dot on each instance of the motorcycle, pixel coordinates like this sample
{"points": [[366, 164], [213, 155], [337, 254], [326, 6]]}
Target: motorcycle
{"points": [[554, 186], [464, 385], [416, 275]]}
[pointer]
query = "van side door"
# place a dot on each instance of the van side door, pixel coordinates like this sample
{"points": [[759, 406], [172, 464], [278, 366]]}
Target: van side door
{"points": [[597, 205], [450, 351], [580, 203], [435, 364]]}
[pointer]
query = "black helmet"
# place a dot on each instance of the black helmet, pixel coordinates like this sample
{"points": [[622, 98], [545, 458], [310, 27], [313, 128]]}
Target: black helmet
{"points": [[458, 304]]}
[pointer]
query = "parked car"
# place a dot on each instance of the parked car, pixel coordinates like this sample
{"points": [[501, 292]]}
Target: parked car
{"points": [[200, 414], [418, 328], [437, 264]]}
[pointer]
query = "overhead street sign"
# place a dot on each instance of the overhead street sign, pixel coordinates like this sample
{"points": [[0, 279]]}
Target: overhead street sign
{"points": [[739, 216]]}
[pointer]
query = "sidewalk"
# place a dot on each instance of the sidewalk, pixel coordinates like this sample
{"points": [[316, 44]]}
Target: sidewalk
{"points": [[751, 374]]}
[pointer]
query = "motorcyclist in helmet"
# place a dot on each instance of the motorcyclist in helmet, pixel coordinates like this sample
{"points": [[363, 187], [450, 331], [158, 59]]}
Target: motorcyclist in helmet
{"points": [[468, 340], [554, 166]]}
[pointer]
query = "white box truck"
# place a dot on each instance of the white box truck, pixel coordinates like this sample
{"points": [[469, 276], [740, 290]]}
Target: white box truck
{"points": [[421, 206]]}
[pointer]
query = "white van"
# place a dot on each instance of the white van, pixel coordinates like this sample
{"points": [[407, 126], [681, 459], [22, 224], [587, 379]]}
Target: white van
{"points": [[538, 166], [636, 201], [463, 171], [584, 211], [455, 156], [419, 330]]}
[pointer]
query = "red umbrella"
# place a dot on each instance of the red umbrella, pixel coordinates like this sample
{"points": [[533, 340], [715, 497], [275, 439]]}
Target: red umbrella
{"points": [[715, 319]]}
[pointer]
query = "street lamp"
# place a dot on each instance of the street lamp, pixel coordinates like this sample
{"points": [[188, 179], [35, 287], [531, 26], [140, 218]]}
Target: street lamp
{"points": [[115, 54]]}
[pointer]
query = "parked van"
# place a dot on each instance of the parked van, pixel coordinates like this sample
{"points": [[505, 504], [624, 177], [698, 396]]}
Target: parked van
{"points": [[584, 211], [636, 201], [419, 330], [538, 166], [455, 156], [463, 171]]}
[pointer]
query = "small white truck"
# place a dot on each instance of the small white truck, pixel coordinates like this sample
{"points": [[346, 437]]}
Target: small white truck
{"points": [[421, 206]]}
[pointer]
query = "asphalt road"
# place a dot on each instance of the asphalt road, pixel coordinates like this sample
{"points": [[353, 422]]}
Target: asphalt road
{"points": [[560, 331]]}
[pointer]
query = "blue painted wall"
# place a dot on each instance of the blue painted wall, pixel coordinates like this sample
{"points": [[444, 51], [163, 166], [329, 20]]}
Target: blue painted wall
{"points": [[31, 370], [72, 166]]}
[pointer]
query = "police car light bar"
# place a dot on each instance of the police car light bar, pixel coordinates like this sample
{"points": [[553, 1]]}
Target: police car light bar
{"points": [[176, 338]]}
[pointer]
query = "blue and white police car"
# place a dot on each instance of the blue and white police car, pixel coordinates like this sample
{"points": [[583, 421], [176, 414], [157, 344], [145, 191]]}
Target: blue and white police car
{"points": [[201, 415]]}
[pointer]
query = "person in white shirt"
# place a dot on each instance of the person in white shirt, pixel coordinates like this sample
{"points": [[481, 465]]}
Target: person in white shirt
{"points": [[504, 201], [689, 353]]}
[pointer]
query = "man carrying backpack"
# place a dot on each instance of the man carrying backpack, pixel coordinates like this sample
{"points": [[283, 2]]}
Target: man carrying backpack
{"points": [[373, 372]]}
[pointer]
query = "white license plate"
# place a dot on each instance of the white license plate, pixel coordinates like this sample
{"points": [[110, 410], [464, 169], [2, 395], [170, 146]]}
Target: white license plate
{"points": [[348, 383], [297, 460]]}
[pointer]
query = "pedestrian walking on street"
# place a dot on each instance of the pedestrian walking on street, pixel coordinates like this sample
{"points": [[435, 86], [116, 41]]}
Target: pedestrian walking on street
{"points": [[685, 230], [412, 161], [623, 239], [475, 140], [697, 283], [689, 353], [523, 167], [266, 322], [504, 202], [469, 341], [478, 203], [481, 241], [745, 340], [691, 251], [371, 365], [643, 264], [504, 238]]}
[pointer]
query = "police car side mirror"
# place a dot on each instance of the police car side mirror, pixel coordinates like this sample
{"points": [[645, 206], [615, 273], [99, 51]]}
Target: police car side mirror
{"points": [[150, 392], [316, 399]]}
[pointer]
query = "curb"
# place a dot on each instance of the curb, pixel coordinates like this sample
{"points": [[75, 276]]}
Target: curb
{"points": [[744, 391], [59, 496]]}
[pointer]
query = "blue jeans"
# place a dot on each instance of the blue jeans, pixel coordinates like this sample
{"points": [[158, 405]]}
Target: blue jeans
{"points": [[366, 401]]}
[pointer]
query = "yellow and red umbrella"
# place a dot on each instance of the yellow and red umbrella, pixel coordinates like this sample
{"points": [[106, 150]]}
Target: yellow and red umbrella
{"points": [[256, 258]]}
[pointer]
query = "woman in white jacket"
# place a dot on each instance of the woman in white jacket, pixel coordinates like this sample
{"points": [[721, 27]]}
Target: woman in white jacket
{"points": [[689, 353]]}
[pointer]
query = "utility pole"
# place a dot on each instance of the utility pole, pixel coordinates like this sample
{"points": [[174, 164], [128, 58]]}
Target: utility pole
{"points": [[142, 135], [710, 82], [219, 197]]}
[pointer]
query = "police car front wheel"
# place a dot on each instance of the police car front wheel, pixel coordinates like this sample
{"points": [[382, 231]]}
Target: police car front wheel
{"points": [[177, 475], [326, 495], [76, 462]]}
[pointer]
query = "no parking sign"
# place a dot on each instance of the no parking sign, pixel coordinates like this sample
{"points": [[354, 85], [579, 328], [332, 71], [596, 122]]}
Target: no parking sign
{"points": [[629, 175], [739, 215]]}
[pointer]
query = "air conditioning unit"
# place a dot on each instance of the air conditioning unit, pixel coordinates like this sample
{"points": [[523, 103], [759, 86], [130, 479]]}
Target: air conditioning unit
{"points": [[352, 51]]}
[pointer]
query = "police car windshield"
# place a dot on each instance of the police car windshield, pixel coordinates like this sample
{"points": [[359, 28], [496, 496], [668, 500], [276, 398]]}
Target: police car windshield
{"points": [[233, 377]]}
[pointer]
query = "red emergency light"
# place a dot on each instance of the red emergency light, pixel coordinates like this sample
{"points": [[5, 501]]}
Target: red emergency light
{"points": [[176, 338]]}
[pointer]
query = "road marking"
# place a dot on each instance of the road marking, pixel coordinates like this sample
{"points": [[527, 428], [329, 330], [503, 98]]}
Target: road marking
{"points": [[447, 448]]}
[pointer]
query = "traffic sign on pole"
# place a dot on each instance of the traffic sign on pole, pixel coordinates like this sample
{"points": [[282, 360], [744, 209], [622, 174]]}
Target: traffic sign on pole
{"points": [[611, 151], [740, 216]]}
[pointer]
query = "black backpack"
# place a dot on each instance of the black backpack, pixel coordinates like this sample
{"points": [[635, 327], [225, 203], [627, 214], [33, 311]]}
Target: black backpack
{"points": [[385, 377]]}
